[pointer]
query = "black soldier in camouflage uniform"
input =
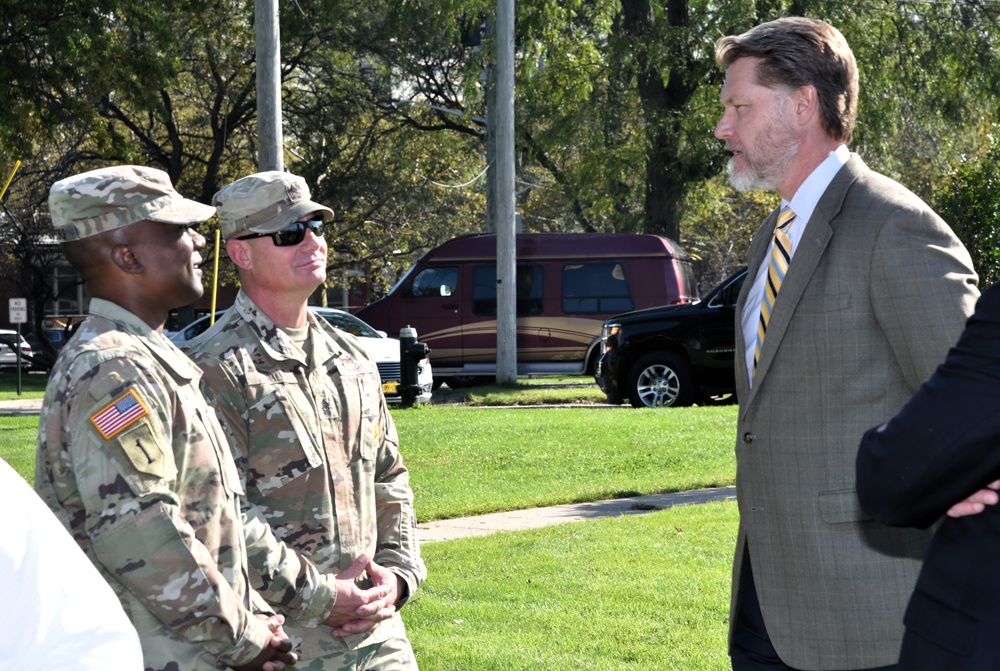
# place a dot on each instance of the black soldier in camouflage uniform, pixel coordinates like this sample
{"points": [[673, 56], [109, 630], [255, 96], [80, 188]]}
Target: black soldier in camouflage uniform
{"points": [[130, 457]]}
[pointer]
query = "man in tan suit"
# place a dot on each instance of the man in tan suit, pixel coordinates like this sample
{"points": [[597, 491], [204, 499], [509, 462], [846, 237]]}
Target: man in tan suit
{"points": [[836, 332]]}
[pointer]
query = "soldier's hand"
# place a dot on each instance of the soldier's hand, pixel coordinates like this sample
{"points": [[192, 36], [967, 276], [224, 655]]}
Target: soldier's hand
{"points": [[357, 610], [374, 612], [274, 622], [275, 657]]}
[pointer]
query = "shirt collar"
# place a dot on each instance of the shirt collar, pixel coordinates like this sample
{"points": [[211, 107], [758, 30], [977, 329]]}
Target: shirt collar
{"points": [[807, 196]]}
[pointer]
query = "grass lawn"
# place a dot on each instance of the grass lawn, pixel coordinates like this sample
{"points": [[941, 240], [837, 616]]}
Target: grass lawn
{"points": [[17, 444], [638, 593], [32, 385], [467, 461]]}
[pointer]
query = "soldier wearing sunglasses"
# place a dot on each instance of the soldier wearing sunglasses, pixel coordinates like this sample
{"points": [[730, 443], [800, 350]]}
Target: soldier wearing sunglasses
{"points": [[304, 409]]}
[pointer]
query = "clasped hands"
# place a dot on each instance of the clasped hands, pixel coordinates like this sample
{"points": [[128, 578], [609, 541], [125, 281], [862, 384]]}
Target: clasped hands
{"points": [[359, 610]]}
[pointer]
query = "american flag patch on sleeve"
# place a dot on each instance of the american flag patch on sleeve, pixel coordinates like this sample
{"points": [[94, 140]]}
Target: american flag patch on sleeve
{"points": [[119, 414]]}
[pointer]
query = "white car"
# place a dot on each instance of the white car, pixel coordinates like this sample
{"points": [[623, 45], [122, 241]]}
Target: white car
{"points": [[8, 350], [381, 347]]}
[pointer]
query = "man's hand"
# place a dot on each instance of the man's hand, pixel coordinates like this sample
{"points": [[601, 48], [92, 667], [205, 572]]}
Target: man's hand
{"points": [[357, 610], [278, 654], [977, 502], [383, 576], [371, 614]]}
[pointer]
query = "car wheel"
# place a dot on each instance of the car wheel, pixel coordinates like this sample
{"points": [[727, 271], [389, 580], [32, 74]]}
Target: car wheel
{"points": [[660, 380]]}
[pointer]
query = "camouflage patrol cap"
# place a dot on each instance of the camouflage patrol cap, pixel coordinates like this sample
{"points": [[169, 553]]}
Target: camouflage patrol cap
{"points": [[108, 198], [264, 202]]}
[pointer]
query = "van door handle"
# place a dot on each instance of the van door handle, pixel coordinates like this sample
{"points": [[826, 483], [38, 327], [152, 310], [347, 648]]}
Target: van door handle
{"points": [[450, 306]]}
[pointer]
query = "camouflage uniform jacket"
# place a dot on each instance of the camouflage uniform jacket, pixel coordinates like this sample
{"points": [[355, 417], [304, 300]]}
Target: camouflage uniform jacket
{"points": [[135, 465], [318, 449]]}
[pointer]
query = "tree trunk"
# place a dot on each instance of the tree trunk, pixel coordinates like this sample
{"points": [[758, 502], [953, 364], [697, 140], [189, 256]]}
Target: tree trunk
{"points": [[664, 96]]}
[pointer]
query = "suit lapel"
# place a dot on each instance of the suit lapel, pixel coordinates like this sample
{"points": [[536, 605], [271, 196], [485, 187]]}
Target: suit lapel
{"points": [[759, 245], [805, 260]]}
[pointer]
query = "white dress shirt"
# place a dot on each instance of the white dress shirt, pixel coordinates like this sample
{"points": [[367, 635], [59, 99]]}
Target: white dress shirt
{"points": [[803, 204]]}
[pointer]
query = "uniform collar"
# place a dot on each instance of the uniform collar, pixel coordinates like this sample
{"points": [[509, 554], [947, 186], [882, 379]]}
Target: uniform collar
{"points": [[159, 345]]}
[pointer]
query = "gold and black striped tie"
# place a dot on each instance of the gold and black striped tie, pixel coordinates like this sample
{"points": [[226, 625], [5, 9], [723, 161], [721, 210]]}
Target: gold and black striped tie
{"points": [[781, 254]]}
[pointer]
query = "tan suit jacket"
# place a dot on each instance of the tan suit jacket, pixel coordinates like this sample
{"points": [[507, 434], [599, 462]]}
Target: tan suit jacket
{"points": [[878, 290]]}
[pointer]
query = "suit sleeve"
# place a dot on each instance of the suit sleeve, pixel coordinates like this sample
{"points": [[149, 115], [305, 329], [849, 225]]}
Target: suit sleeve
{"points": [[945, 443], [923, 289]]}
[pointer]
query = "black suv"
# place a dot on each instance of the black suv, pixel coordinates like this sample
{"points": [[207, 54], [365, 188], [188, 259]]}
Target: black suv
{"points": [[674, 354]]}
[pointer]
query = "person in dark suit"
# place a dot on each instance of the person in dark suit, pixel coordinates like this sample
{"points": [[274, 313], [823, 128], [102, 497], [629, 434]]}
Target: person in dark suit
{"points": [[943, 447], [850, 303]]}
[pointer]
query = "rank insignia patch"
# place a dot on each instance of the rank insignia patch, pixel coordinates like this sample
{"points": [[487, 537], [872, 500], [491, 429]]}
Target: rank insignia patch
{"points": [[120, 414]]}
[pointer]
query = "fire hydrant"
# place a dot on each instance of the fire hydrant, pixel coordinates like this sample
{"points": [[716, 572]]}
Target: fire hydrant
{"points": [[411, 353]]}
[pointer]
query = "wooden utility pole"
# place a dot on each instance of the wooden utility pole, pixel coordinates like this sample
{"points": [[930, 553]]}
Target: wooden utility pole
{"points": [[270, 150], [491, 134], [506, 253]]}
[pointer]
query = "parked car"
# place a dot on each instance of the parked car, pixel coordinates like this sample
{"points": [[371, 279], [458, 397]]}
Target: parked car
{"points": [[567, 284], [384, 349], [8, 350], [195, 328], [41, 360], [672, 355], [59, 336]]}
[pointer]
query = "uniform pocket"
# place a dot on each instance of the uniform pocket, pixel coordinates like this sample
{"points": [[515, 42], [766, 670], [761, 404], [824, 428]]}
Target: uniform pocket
{"points": [[231, 479], [283, 445]]}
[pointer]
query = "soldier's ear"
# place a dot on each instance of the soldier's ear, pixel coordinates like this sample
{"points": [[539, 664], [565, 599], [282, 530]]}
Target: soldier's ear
{"points": [[239, 253], [123, 257]]}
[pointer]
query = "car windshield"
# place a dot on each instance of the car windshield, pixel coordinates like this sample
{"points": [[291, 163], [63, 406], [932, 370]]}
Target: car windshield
{"points": [[351, 324]]}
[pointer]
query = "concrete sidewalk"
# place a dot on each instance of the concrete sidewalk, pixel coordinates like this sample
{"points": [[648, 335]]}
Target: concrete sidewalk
{"points": [[516, 520], [534, 518], [20, 406]]}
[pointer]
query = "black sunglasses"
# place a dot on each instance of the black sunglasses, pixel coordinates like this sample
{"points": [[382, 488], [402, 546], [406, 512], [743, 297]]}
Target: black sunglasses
{"points": [[292, 235]]}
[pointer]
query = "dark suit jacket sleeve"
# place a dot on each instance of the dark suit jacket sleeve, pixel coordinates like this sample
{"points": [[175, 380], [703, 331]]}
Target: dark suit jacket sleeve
{"points": [[945, 443]]}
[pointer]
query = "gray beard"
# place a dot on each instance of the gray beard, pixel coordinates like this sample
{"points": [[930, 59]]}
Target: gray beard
{"points": [[751, 178], [748, 180]]}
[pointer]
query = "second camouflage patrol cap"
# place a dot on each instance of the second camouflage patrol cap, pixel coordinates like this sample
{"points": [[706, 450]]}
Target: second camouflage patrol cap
{"points": [[108, 198], [264, 202]]}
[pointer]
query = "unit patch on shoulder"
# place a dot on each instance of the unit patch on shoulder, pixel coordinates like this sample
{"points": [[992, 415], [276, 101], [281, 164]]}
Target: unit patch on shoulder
{"points": [[119, 414]]}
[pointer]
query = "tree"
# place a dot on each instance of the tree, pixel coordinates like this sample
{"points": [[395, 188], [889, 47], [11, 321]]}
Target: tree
{"points": [[969, 199], [385, 103], [28, 252]]}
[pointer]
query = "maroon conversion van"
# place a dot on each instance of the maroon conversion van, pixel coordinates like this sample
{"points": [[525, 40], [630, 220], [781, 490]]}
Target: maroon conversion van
{"points": [[567, 285]]}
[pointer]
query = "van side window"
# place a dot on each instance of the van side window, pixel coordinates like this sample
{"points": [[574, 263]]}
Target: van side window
{"points": [[530, 290], [595, 287], [436, 282]]}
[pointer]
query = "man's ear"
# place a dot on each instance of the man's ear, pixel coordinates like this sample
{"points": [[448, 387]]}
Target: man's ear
{"points": [[239, 253], [122, 256], [806, 103]]}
